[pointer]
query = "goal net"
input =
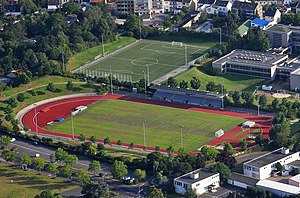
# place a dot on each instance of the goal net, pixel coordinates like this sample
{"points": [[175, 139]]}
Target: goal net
{"points": [[174, 43]]}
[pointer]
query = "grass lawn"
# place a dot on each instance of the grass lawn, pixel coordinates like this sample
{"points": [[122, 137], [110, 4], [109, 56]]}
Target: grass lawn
{"points": [[44, 94], [82, 58], [231, 82], [27, 184], [188, 40], [121, 120], [132, 63], [35, 83]]}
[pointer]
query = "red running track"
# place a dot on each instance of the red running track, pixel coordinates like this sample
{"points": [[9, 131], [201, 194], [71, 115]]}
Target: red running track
{"points": [[62, 108]]}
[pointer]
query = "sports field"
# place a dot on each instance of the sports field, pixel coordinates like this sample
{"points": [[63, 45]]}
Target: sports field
{"points": [[123, 120], [132, 62]]}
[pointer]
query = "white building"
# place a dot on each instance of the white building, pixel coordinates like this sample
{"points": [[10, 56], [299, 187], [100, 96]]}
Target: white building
{"points": [[262, 167], [200, 180], [277, 188], [219, 8]]}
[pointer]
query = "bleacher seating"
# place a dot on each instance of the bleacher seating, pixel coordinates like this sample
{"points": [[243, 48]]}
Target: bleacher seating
{"points": [[192, 97]]}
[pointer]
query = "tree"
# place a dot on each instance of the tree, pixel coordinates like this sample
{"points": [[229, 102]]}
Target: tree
{"points": [[228, 148], [5, 141], [107, 140], [94, 165], [28, 6], [195, 83], [263, 101], [119, 170], [21, 97], [209, 152], [71, 8], [83, 177], [52, 168], [190, 193], [172, 82], [38, 163], [66, 171], [211, 86], [159, 180], [9, 156], [236, 97], [248, 98], [243, 145], [223, 170], [71, 160], [97, 190], [183, 84], [155, 193], [12, 102], [275, 103], [93, 139], [50, 87], [82, 137], [140, 174], [280, 134], [61, 154], [279, 167], [227, 159], [47, 194], [25, 161], [259, 139], [70, 85]]}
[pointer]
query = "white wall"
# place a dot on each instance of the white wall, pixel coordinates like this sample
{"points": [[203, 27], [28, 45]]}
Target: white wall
{"points": [[200, 187]]}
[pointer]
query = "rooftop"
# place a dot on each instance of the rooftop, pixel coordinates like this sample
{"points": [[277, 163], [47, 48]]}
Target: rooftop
{"points": [[296, 72], [268, 158], [257, 58], [203, 174], [222, 3], [243, 29], [296, 178], [260, 22], [244, 179], [270, 12], [279, 186], [283, 28], [209, 2], [244, 5], [295, 163]]}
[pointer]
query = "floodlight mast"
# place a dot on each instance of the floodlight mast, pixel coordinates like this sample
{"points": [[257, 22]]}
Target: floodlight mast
{"points": [[181, 136], [185, 55], [72, 119], [111, 84], [103, 52], [144, 128]]}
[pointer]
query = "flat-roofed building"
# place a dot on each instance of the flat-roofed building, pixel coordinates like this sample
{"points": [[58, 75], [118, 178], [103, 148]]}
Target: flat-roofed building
{"points": [[262, 167], [277, 188], [250, 63], [200, 180]]}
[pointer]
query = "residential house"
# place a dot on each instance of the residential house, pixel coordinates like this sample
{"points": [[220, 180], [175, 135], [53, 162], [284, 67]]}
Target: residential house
{"points": [[248, 10], [175, 6], [200, 180], [53, 5], [273, 15], [187, 21], [203, 4], [138, 7]]}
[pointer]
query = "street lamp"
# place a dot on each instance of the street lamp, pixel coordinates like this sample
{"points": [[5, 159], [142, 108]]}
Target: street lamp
{"points": [[72, 119], [220, 36], [181, 136], [145, 82], [144, 127], [35, 116]]}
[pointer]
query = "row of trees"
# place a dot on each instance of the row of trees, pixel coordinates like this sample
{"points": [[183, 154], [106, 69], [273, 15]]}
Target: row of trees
{"points": [[39, 44]]}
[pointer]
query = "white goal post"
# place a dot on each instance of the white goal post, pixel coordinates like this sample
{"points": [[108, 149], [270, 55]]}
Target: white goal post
{"points": [[174, 43]]}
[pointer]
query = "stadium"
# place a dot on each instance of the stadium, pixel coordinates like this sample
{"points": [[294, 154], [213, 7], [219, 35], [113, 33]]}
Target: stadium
{"points": [[147, 123]]}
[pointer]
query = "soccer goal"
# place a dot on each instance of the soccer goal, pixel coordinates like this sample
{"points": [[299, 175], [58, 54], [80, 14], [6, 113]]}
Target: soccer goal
{"points": [[174, 43]]}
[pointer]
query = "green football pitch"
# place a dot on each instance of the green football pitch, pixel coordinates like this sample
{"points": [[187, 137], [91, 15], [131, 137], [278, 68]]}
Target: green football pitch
{"points": [[123, 120], [133, 62]]}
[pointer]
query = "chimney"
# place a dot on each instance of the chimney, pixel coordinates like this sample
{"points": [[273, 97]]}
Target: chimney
{"points": [[194, 175], [285, 151]]}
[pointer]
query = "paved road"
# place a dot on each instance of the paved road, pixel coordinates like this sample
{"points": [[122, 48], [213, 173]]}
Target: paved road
{"points": [[26, 147]]}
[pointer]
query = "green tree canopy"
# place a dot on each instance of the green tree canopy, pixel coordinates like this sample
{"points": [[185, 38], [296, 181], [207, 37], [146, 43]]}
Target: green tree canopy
{"points": [[119, 170]]}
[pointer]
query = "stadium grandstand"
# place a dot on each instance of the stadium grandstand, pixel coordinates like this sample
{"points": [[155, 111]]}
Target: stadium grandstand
{"points": [[186, 96]]}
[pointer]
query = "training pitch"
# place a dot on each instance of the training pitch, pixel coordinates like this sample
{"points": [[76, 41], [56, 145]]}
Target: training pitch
{"points": [[123, 120], [131, 63]]}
